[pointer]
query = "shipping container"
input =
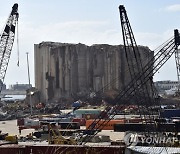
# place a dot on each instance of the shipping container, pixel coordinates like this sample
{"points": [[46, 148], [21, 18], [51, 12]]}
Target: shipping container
{"points": [[81, 121], [169, 113], [137, 120], [138, 127], [31, 122], [69, 125], [89, 116], [20, 122], [81, 112], [104, 125], [63, 149]]}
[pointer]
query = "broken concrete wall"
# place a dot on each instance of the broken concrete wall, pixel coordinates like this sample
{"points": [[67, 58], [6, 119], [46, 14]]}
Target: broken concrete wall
{"points": [[68, 70], [41, 57]]}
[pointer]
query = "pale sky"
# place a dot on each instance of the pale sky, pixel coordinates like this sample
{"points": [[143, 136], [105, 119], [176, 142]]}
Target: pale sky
{"points": [[89, 22]]}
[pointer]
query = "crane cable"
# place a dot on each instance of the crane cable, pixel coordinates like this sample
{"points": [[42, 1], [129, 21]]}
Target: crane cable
{"points": [[17, 44]]}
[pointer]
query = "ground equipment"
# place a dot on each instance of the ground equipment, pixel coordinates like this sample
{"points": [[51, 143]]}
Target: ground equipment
{"points": [[55, 136]]}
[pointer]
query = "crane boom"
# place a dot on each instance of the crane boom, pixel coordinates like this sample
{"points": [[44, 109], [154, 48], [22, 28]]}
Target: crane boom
{"points": [[6, 42], [163, 53], [134, 58]]}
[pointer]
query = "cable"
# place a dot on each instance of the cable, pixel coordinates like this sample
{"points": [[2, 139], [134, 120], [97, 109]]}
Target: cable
{"points": [[17, 43]]}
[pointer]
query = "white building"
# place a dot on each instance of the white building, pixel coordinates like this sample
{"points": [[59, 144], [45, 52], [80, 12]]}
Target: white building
{"points": [[167, 87]]}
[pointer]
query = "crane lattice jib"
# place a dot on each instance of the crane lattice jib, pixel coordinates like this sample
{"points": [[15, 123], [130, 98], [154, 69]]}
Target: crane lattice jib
{"points": [[160, 58], [133, 56], [177, 58], [6, 42], [163, 53]]}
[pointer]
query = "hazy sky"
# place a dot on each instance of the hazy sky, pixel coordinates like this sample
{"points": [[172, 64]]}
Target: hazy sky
{"points": [[89, 22]]}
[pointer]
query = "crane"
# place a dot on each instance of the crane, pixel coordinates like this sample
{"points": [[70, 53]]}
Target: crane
{"points": [[177, 59], [134, 59], [6, 42], [163, 53]]}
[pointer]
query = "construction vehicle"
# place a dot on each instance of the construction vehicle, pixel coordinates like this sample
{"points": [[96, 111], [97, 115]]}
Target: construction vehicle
{"points": [[55, 136], [141, 77], [6, 42], [11, 139]]}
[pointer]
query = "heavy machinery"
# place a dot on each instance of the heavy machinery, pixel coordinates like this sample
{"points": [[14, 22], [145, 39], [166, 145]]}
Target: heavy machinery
{"points": [[135, 62], [55, 136], [177, 59], [6, 42], [142, 75]]}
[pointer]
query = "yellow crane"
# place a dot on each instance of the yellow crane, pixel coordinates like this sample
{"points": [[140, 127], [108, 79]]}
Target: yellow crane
{"points": [[55, 136]]}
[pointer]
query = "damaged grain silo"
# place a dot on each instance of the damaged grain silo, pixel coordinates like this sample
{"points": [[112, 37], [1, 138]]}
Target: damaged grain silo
{"points": [[65, 70]]}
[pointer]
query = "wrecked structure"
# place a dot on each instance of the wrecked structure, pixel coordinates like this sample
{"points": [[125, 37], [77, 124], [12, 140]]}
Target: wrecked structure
{"points": [[65, 70]]}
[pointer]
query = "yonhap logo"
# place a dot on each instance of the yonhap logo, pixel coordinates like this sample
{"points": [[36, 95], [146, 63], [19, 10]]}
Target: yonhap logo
{"points": [[132, 139]]}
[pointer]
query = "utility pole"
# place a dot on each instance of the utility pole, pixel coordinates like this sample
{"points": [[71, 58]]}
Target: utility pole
{"points": [[29, 83]]}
